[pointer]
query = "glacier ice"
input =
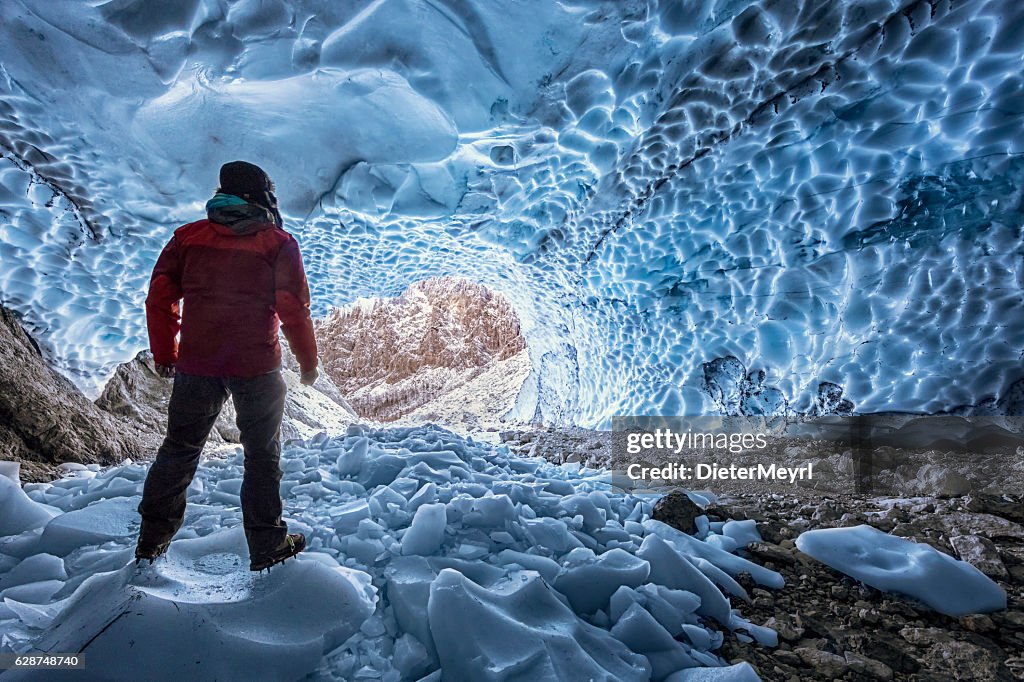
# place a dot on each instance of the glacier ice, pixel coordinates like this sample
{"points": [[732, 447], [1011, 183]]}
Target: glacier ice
{"points": [[828, 192], [730, 563], [18, 512], [96, 524], [588, 580], [209, 611], [520, 630], [673, 570], [895, 564], [742, 532], [426, 533], [741, 672], [534, 568], [638, 629]]}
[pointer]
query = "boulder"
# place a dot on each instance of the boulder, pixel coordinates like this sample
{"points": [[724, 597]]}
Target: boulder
{"points": [[138, 393], [679, 511]]}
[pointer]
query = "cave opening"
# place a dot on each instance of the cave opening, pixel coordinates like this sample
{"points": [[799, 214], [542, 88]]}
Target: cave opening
{"points": [[446, 350]]}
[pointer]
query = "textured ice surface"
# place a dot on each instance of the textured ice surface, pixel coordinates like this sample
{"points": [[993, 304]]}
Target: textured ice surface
{"points": [[202, 609], [828, 191], [426, 550], [18, 513], [94, 525], [520, 630], [896, 564]]}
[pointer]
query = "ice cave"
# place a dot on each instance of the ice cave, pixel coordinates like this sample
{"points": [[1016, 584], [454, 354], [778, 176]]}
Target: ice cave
{"points": [[825, 191], [817, 201]]}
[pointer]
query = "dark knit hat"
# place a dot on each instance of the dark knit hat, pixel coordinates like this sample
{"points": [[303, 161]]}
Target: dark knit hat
{"points": [[244, 179]]}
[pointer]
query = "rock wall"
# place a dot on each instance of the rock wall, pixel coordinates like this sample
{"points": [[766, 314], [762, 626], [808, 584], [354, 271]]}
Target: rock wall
{"points": [[138, 393], [45, 419]]}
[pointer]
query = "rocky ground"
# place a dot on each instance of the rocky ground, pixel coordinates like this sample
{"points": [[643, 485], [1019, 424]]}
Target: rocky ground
{"points": [[830, 626], [894, 470], [833, 628]]}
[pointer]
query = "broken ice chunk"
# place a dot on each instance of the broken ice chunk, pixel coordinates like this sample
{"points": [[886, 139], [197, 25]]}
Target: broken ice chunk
{"points": [[548, 568], [33, 568], [894, 564], [551, 534], [743, 532], [490, 512], [638, 630], [347, 517], [18, 512], [520, 629], [730, 563], [426, 533], [93, 525], [672, 569], [741, 672], [588, 581]]}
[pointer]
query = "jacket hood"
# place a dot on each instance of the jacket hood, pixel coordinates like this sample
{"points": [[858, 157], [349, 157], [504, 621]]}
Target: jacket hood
{"points": [[238, 215]]}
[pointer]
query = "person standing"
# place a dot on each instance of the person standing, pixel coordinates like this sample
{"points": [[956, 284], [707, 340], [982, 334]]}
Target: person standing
{"points": [[240, 277]]}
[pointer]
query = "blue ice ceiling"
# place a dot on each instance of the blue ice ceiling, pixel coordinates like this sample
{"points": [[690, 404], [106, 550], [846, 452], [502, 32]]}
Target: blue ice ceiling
{"points": [[826, 191]]}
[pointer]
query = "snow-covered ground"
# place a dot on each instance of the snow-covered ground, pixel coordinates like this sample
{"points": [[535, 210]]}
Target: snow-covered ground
{"points": [[486, 401]]}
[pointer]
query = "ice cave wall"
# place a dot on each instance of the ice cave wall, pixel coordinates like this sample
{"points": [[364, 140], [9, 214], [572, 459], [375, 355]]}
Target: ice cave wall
{"points": [[828, 191]]}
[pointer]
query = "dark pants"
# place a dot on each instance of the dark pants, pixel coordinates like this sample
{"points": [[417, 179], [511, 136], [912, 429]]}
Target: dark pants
{"points": [[195, 404]]}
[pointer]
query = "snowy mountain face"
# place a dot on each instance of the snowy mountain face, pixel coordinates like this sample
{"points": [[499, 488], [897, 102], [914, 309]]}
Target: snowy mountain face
{"points": [[391, 356], [827, 191]]}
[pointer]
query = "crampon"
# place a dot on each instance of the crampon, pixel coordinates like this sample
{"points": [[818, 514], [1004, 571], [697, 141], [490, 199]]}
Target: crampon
{"points": [[292, 545], [150, 553]]}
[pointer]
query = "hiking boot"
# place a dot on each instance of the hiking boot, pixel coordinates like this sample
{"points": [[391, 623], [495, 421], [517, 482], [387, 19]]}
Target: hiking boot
{"points": [[292, 545], [149, 551]]}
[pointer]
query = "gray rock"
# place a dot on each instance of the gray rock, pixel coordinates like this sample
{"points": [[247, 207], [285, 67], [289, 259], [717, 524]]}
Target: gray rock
{"points": [[966, 661], [977, 622], [981, 553], [1010, 507], [825, 664], [924, 636], [876, 670], [677, 510], [45, 418], [787, 626], [933, 479], [768, 552], [987, 525], [138, 393]]}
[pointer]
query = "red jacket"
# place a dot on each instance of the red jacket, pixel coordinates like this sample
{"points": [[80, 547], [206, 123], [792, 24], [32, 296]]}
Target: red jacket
{"points": [[238, 290]]}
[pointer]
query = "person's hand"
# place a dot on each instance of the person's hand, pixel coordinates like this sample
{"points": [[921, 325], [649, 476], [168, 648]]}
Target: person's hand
{"points": [[165, 371], [309, 377]]}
